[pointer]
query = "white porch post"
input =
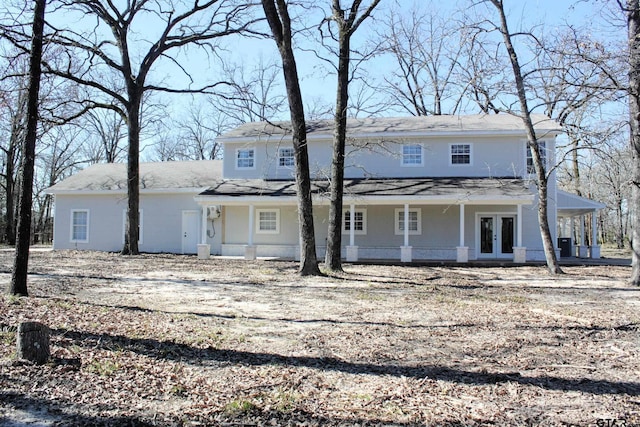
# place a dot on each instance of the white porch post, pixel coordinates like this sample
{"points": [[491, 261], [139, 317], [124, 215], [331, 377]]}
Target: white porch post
{"points": [[583, 248], [595, 248], [462, 251], [250, 249], [352, 249], [204, 250], [405, 251], [519, 251]]}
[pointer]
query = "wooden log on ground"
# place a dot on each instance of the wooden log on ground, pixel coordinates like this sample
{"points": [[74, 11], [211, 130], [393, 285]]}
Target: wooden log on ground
{"points": [[33, 342]]}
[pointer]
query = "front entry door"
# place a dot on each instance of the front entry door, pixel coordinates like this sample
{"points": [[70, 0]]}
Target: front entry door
{"points": [[190, 231], [496, 236]]}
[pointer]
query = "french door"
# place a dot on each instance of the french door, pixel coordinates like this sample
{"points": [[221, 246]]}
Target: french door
{"points": [[496, 235]]}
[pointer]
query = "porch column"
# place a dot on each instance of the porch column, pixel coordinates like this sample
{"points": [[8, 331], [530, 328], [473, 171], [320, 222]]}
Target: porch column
{"points": [[595, 248], [519, 251], [250, 249], [352, 249], [573, 235], [204, 250], [583, 248], [462, 251], [405, 251]]}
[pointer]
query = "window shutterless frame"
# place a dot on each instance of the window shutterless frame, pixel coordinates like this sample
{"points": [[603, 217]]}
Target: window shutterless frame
{"points": [[79, 226]]}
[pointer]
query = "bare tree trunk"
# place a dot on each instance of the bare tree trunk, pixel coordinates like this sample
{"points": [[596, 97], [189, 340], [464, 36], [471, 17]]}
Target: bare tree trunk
{"points": [[541, 173], [18, 284], [633, 23], [333, 259], [277, 15], [132, 228], [346, 28]]}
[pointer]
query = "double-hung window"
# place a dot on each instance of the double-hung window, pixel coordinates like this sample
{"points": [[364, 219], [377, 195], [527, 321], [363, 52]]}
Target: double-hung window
{"points": [[80, 226], [414, 223], [460, 154], [285, 158], [268, 221], [542, 149], [245, 158], [412, 155], [359, 222]]}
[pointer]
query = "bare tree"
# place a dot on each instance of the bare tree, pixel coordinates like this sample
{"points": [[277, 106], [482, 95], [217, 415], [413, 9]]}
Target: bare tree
{"points": [[532, 140], [277, 14], [18, 285], [16, 107], [347, 21], [109, 128], [427, 48], [632, 12], [91, 57]]}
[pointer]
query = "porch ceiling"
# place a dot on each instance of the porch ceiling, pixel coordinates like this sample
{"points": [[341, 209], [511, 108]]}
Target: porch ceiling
{"points": [[389, 190], [573, 205]]}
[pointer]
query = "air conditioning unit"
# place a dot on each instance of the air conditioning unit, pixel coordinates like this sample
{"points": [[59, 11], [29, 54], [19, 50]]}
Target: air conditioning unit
{"points": [[213, 212]]}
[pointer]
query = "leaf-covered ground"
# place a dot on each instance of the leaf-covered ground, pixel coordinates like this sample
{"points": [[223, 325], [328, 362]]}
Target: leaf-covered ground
{"points": [[170, 340]]}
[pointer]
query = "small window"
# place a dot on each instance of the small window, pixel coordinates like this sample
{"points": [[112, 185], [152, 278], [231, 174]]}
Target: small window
{"points": [[80, 226], [245, 158], [414, 223], [412, 155], [140, 226], [359, 221], [268, 221], [285, 158], [531, 169], [460, 154]]}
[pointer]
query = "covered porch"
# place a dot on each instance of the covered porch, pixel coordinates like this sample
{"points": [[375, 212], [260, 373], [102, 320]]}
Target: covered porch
{"points": [[577, 226], [407, 220]]}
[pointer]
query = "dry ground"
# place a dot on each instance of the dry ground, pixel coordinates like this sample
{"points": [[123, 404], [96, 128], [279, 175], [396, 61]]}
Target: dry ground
{"points": [[170, 340]]}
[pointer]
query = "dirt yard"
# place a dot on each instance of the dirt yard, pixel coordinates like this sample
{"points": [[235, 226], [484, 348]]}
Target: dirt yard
{"points": [[164, 340]]}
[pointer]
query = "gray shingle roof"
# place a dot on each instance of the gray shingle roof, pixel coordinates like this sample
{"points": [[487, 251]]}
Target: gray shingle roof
{"points": [[424, 124], [458, 188], [153, 176]]}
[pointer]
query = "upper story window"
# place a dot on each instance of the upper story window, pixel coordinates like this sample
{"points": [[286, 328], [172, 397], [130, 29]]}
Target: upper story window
{"points": [[268, 221], [412, 155], [359, 221], [245, 158], [80, 226], [542, 145], [460, 154], [414, 222], [285, 158]]}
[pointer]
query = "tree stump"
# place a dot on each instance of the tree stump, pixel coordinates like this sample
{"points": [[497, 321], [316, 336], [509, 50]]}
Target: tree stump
{"points": [[33, 342]]}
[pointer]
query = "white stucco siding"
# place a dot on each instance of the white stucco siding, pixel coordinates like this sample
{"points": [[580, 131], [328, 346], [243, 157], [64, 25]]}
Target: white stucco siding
{"points": [[490, 156], [162, 215], [236, 226], [105, 222], [161, 221]]}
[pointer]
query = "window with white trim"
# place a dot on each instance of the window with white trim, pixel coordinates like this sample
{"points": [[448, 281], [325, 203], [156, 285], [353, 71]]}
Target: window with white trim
{"points": [[542, 145], [285, 158], [460, 154], [140, 225], [80, 225], [245, 158], [412, 155], [414, 222], [359, 221], [268, 221]]}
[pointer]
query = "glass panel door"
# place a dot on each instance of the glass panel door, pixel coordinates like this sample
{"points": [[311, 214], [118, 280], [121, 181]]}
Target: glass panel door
{"points": [[487, 235], [506, 234]]}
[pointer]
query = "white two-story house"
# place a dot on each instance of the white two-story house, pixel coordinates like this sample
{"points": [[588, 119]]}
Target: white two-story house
{"points": [[455, 188]]}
